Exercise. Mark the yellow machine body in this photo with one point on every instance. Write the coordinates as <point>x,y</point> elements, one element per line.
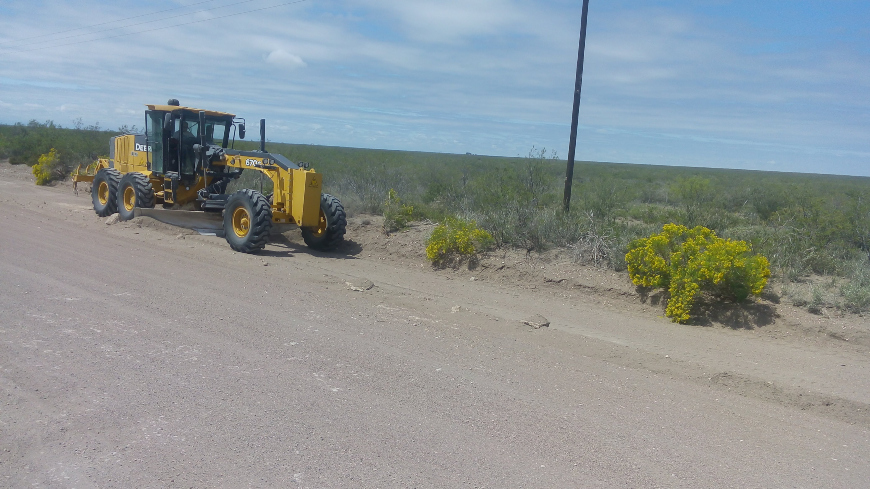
<point>296,197</point>
<point>296,192</point>
<point>129,157</point>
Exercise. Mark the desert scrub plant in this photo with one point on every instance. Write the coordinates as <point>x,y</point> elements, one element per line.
<point>24,143</point>
<point>365,183</point>
<point>695,195</point>
<point>689,261</point>
<point>534,176</point>
<point>49,168</point>
<point>397,214</point>
<point>856,293</point>
<point>602,198</point>
<point>456,238</point>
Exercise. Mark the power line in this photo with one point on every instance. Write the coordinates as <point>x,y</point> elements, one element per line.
<point>130,25</point>
<point>162,28</point>
<point>104,23</point>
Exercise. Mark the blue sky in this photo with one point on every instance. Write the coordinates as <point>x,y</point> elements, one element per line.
<point>774,85</point>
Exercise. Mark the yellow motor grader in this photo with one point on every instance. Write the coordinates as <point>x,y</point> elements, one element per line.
<point>183,159</point>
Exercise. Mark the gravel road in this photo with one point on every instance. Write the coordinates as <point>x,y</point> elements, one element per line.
<point>139,355</point>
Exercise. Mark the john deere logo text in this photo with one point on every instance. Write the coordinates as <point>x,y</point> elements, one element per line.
<point>142,147</point>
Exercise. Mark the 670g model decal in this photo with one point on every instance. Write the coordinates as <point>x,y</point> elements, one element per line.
<point>257,163</point>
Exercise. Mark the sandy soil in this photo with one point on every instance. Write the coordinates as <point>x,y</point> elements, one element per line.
<point>793,383</point>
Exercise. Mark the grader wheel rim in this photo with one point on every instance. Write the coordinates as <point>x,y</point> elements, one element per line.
<point>103,193</point>
<point>241,222</point>
<point>129,198</point>
<point>321,225</point>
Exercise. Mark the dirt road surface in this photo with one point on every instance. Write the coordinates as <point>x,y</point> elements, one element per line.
<point>141,355</point>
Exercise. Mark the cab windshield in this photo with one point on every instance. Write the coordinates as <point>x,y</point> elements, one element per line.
<point>215,131</point>
<point>187,129</point>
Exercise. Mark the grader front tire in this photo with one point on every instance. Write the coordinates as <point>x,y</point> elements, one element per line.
<point>333,224</point>
<point>247,221</point>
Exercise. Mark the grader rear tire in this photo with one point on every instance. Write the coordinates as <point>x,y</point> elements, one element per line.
<point>247,221</point>
<point>135,190</point>
<point>104,191</point>
<point>333,224</point>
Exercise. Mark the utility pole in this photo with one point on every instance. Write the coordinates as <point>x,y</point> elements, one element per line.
<point>569,173</point>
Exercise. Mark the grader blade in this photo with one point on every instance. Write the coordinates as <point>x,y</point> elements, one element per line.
<point>206,223</point>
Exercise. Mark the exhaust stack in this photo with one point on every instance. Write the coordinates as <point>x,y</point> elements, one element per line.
<point>262,135</point>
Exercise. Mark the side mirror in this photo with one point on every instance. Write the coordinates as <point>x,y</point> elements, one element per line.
<point>242,130</point>
<point>167,122</point>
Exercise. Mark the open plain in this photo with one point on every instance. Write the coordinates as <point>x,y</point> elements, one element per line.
<point>141,355</point>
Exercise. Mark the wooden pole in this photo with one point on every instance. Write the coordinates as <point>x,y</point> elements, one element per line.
<point>569,173</point>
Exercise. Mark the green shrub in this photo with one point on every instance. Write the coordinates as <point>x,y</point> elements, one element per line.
<point>363,184</point>
<point>693,192</point>
<point>601,198</point>
<point>23,144</point>
<point>534,177</point>
<point>397,214</point>
<point>456,237</point>
<point>689,261</point>
<point>856,293</point>
<point>654,213</point>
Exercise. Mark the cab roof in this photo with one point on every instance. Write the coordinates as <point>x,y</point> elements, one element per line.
<point>173,108</point>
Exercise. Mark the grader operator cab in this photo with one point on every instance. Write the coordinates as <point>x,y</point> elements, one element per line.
<point>185,159</point>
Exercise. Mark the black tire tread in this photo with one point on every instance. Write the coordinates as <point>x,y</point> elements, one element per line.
<point>261,221</point>
<point>113,178</point>
<point>336,225</point>
<point>146,199</point>
<point>144,192</point>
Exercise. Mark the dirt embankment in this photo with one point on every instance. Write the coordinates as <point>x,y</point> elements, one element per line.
<point>558,272</point>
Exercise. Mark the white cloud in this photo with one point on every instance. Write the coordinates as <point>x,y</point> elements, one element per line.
<point>451,20</point>
<point>285,59</point>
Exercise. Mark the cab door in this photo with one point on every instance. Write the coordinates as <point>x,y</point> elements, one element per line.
<point>186,131</point>
<point>155,139</point>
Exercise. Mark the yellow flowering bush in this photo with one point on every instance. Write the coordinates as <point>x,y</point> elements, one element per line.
<point>688,261</point>
<point>457,237</point>
<point>48,168</point>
